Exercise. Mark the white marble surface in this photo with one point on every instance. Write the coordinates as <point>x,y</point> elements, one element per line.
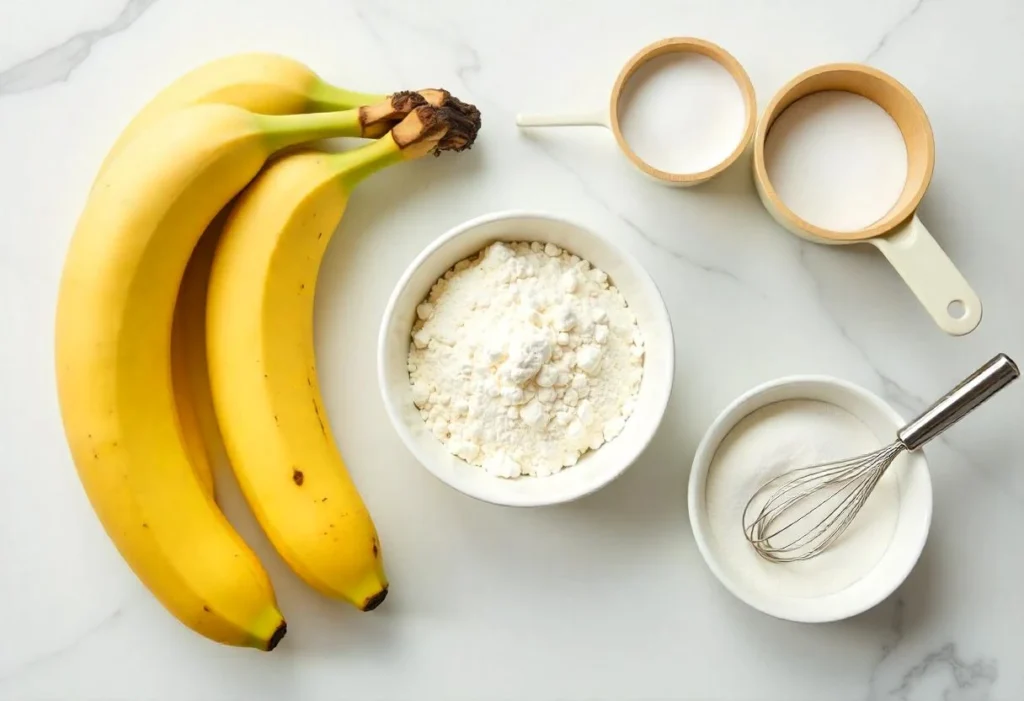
<point>606,598</point>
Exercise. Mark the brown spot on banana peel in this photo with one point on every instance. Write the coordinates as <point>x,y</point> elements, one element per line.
<point>297,477</point>
<point>316,408</point>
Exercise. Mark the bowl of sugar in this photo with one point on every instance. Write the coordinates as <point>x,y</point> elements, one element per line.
<point>791,423</point>
<point>525,360</point>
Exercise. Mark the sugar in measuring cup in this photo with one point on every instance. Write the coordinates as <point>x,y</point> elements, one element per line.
<point>895,230</point>
<point>647,109</point>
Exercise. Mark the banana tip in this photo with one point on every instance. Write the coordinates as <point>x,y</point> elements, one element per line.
<point>277,636</point>
<point>375,600</point>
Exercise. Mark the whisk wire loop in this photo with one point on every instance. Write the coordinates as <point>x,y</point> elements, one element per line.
<point>840,488</point>
<point>815,504</point>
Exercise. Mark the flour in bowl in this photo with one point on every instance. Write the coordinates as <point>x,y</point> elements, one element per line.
<point>524,357</point>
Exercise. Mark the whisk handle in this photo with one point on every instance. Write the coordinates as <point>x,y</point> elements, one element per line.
<point>962,400</point>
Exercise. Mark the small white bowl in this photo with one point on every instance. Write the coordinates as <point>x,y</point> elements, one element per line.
<point>910,532</point>
<point>595,468</point>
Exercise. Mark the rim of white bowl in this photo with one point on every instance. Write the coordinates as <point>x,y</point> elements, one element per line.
<point>411,445</point>
<point>708,446</point>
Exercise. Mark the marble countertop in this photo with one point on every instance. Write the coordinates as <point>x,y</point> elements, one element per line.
<point>606,598</point>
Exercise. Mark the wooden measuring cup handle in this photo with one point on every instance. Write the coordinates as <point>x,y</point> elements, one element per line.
<point>932,277</point>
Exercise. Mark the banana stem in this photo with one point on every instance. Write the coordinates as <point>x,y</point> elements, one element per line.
<point>425,130</point>
<point>358,164</point>
<point>324,97</point>
<point>291,129</point>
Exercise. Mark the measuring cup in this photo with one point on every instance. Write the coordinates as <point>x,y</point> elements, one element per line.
<point>610,118</point>
<point>899,234</point>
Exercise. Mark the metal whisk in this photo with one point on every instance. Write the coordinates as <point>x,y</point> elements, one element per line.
<point>807,509</point>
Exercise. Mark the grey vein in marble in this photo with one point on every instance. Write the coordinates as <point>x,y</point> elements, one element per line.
<point>891,389</point>
<point>710,269</point>
<point>470,67</point>
<point>888,383</point>
<point>895,637</point>
<point>57,63</point>
<point>378,38</point>
<point>884,40</point>
<point>898,394</point>
<point>971,681</point>
<point>705,267</point>
<point>64,649</point>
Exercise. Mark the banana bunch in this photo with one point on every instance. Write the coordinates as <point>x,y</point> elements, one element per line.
<point>185,313</point>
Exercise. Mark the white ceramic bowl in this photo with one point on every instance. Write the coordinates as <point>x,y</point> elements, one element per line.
<point>595,468</point>
<point>909,535</point>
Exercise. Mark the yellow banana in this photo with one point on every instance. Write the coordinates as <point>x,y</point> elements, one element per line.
<point>189,378</point>
<point>113,361</point>
<point>265,83</point>
<point>261,358</point>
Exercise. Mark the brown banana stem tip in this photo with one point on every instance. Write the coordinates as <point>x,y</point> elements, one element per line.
<point>463,126</point>
<point>463,119</point>
<point>377,119</point>
<point>434,129</point>
<point>404,101</point>
<point>439,97</point>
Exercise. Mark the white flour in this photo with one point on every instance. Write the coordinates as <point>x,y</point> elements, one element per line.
<point>780,437</point>
<point>523,358</point>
